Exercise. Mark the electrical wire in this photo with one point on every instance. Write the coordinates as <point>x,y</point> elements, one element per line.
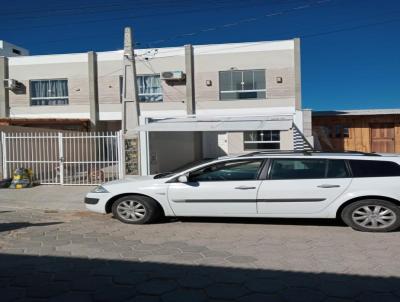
<point>151,15</point>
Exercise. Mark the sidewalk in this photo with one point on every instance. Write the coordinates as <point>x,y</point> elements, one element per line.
<point>54,197</point>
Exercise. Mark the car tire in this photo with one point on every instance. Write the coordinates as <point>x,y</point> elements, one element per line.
<point>372,215</point>
<point>136,209</point>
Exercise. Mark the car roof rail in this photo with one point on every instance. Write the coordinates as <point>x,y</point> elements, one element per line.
<point>307,152</point>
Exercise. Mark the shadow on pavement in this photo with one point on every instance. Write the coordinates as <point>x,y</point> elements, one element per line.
<point>6,227</point>
<point>26,277</point>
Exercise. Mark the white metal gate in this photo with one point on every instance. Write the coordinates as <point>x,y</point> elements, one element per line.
<point>67,158</point>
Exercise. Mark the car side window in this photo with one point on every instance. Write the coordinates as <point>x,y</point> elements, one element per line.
<point>374,168</point>
<point>337,169</point>
<point>298,168</point>
<point>229,170</point>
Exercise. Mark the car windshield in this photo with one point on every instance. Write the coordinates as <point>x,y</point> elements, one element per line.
<point>183,168</point>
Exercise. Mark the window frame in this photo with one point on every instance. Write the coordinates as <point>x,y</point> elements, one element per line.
<point>270,163</point>
<point>243,90</point>
<point>261,142</point>
<point>258,177</point>
<point>121,88</point>
<point>48,98</point>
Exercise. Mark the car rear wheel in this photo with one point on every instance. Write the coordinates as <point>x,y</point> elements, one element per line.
<point>372,215</point>
<point>136,209</point>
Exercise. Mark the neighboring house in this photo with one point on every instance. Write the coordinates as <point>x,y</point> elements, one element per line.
<point>248,98</point>
<point>357,130</point>
<point>11,50</point>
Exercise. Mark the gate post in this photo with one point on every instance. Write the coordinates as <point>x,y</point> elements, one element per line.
<point>61,156</point>
<point>4,154</point>
<point>121,155</point>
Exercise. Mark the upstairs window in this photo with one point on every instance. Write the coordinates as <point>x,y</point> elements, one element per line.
<point>262,140</point>
<point>149,88</point>
<point>242,84</point>
<point>49,92</point>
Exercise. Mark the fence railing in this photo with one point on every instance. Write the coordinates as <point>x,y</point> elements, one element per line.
<point>69,158</point>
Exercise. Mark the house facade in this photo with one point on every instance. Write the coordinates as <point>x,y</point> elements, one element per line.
<point>248,98</point>
<point>357,130</point>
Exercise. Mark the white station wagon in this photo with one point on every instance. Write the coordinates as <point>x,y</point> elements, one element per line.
<point>362,189</point>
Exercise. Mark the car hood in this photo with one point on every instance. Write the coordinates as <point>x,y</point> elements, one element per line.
<point>129,179</point>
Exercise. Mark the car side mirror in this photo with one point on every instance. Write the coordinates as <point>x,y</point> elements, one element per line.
<point>183,179</point>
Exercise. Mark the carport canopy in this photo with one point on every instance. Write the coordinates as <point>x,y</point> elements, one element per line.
<point>224,123</point>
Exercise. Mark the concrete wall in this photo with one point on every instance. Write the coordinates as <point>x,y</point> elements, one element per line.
<point>277,58</point>
<point>170,150</point>
<point>74,68</point>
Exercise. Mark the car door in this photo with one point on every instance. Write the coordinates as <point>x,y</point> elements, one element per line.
<point>227,188</point>
<point>301,185</point>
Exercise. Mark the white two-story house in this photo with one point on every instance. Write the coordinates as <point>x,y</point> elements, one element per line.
<point>247,96</point>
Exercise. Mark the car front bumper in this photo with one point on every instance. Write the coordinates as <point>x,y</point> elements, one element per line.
<point>96,202</point>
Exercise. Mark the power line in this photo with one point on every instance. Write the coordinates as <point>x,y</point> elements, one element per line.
<point>103,9</point>
<point>316,4</point>
<point>134,16</point>
<point>301,5</point>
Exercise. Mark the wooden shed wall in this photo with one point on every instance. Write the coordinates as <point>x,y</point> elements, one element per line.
<point>359,131</point>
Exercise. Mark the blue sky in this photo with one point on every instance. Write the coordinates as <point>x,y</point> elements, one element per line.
<point>350,48</point>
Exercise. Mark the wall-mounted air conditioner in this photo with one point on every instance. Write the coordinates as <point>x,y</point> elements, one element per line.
<point>172,75</point>
<point>10,84</point>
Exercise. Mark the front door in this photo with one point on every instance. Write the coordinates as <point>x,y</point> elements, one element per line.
<point>382,138</point>
<point>227,188</point>
<point>301,186</point>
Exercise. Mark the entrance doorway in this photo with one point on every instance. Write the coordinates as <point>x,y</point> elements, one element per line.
<point>382,138</point>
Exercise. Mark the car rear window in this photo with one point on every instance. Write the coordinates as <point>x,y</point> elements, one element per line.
<point>337,169</point>
<point>374,168</point>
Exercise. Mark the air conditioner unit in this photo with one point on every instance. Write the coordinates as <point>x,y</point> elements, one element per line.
<point>10,84</point>
<point>172,75</point>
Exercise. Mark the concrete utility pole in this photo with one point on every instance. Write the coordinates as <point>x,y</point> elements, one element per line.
<point>190,88</point>
<point>130,108</point>
<point>93,90</point>
<point>4,92</point>
<point>191,99</point>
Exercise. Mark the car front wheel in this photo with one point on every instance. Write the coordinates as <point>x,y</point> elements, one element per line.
<point>372,215</point>
<point>136,209</point>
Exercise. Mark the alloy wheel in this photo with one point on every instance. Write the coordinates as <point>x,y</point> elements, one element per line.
<point>374,216</point>
<point>131,210</point>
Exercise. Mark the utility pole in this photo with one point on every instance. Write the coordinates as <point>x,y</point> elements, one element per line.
<point>191,99</point>
<point>4,94</point>
<point>130,108</point>
<point>190,88</point>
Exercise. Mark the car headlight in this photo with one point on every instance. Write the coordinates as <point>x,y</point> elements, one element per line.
<point>99,189</point>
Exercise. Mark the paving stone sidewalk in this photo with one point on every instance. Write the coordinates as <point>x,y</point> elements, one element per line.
<point>80,256</point>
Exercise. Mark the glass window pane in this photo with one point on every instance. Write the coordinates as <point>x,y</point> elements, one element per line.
<point>261,146</point>
<point>225,80</point>
<point>337,169</point>
<point>237,80</point>
<point>248,80</point>
<point>229,96</point>
<point>374,168</point>
<point>228,171</point>
<point>298,169</point>
<point>49,92</point>
<point>149,88</point>
<point>248,95</point>
<point>259,79</point>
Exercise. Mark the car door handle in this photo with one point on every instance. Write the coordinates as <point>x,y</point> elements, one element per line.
<point>245,188</point>
<point>327,186</point>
